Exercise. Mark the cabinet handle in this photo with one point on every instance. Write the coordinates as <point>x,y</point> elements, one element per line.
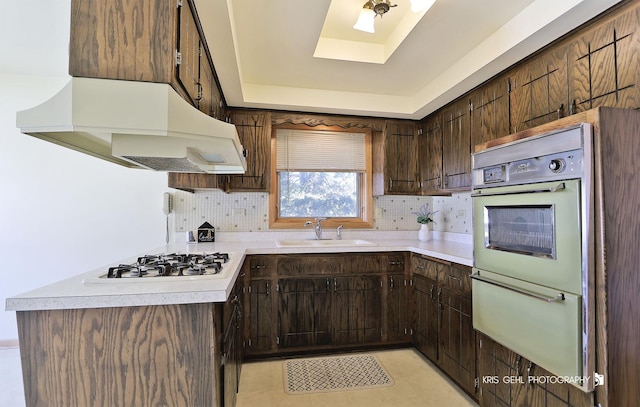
<point>390,184</point>
<point>529,370</point>
<point>328,285</point>
<point>431,291</point>
<point>259,266</point>
<point>391,280</point>
<point>268,288</point>
<point>335,284</point>
<point>450,277</point>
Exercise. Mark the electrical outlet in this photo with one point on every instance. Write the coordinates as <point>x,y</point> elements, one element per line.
<point>239,211</point>
<point>461,213</point>
<point>377,213</point>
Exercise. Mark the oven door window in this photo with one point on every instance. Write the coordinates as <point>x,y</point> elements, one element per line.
<point>523,229</point>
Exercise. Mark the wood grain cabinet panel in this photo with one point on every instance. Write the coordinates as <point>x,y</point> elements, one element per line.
<point>506,379</point>
<point>128,356</point>
<point>304,312</point>
<point>356,310</point>
<point>146,40</point>
<point>425,316</point>
<point>604,64</point>
<point>254,132</point>
<point>490,111</point>
<point>190,50</point>
<point>456,146</point>
<point>430,155</point>
<point>538,91</point>
<point>396,171</point>
<point>131,41</point>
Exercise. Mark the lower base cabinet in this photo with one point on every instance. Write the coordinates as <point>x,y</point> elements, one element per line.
<point>442,324</point>
<point>506,379</point>
<point>301,303</point>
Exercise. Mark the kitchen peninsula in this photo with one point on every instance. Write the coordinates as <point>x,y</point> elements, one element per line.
<point>156,343</point>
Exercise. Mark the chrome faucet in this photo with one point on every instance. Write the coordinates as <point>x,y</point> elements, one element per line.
<point>339,232</point>
<point>317,228</point>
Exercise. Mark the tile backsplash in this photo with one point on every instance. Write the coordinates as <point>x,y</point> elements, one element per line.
<point>249,212</point>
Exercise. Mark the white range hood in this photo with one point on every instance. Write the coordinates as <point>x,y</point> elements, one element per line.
<point>135,124</point>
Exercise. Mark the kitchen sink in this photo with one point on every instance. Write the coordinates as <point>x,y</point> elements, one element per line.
<point>323,243</point>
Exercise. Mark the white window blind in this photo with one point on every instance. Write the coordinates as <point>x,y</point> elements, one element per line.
<point>310,150</point>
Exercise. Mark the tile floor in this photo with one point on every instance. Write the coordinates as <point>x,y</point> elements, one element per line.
<point>417,383</point>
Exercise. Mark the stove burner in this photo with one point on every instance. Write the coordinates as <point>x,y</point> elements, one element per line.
<point>171,265</point>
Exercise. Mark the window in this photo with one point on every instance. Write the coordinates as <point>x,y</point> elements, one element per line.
<point>321,173</point>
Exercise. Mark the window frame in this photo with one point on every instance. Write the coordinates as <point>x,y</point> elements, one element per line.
<point>365,221</point>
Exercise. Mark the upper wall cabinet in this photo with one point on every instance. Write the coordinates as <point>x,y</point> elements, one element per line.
<point>456,146</point>
<point>490,112</point>
<point>254,131</point>
<point>396,159</point>
<point>604,69</point>
<point>538,91</point>
<point>430,155</point>
<point>144,40</point>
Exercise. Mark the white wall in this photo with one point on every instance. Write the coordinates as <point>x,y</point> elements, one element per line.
<point>61,212</point>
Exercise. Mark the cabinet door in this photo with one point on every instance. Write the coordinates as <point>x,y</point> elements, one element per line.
<point>603,64</point>
<point>456,146</point>
<point>356,306</point>
<point>254,131</point>
<point>396,306</point>
<point>457,338</point>
<point>430,154</point>
<point>538,91</point>
<point>401,164</point>
<point>425,310</point>
<point>188,72</point>
<point>304,312</point>
<point>262,316</point>
<point>490,112</point>
<point>123,40</point>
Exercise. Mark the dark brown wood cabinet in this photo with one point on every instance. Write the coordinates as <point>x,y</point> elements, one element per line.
<point>443,326</point>
<point>304,312</point>
<point>430,155</point>
<point>456,336</point>
<point>456,146</point>
<point>146,40</point>
<point>254,131</point>
<point>489,111</point>
<point>538,91</point>
<point>506,379</point>
<point>357,310</point>
<point>397,170</point>
<point>424,275</point>
<point>395,297</point>
<point>308,302</point>
<point>260,305</point>
<point>116,356</point>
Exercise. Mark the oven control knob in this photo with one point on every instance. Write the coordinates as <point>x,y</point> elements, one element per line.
<point>557,165</point>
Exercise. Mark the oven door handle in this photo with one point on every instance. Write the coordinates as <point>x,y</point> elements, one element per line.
<point>561,186</point>
<point>557,298</point>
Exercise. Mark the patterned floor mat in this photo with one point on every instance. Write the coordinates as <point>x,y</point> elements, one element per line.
<point>336,373</point>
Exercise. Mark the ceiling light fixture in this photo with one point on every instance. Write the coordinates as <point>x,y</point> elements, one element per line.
<point>370,10</point>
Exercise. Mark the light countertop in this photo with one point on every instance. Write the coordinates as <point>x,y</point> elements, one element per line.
<point>75,293</point>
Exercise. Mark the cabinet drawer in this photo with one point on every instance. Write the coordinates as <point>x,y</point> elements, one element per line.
<point>426,267</point>
<point>262,266</point>
<point>456,277</point>
<point>311,265</point>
